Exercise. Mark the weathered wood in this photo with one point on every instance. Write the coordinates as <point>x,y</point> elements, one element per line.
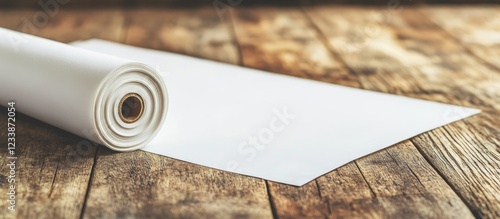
<point>67,25</point>
<point>476,27</point>
<point>392,183</point>
<point>366,40</point>
<point>52,170</point>
<point>49,5</point>
<point>469,161</point>
<point>402,178</point>
<point>194,3</point>
<point>202,34</point>
<point>84,24</point>
<point>146,185</point>
<point>298,202</point>
<point>281,40</point>
<point>445,72</point>
<point>53,166</point>
<point>445,58</point>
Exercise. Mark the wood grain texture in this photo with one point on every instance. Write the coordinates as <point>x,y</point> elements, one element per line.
<point>476,27</point>
<point>67,25</point>
<point>145,185</point>
<point>53,166</point>
<point>52,170</point>
<point>367,40</point>
<point>386,182</point>
<point>469,161</point>
<point>392,183</point>
<point>203,34</point>
<point>445,54</point>
<point>184,3</point>
<point>281,40</point>
<point>446,72</point>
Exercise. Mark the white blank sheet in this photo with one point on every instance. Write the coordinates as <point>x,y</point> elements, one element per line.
<point>272,126</point>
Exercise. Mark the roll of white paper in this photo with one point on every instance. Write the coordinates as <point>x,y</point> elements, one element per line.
<point>112,101</point>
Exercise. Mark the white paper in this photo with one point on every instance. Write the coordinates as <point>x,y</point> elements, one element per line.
<point>272,126</point>
<point>79,90</point>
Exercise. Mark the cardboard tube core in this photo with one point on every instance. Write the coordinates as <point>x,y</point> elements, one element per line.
<point>131,108</point>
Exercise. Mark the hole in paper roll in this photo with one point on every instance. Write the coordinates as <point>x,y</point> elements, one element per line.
<point>131,108</point>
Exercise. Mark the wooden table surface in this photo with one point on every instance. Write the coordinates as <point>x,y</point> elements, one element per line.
<point>449,54</point>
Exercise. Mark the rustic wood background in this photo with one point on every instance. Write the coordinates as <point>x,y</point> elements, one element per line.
<point>448,54</point>
<point>169,3</point>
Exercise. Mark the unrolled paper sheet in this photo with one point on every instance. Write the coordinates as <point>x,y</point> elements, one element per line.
<point>246,121</point>
<point>272,126</point>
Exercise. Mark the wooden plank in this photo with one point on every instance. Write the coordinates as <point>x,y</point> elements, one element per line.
<point>177,3</point>
<point>469,160</point>
<point>192,35</point>
<point>280,40</point>
<point>49,4</point>
<point>146,185</point>
<point>53,166</point>
<point>462,153</point>
<point>67,25</point>
<point>381,185</point>
<point>392,183</point>
<point>52,170</point>
<point>368,43</point>
<point>298,202</point>
<point>476,27</point>
<point>84,24</point>
<point>409,180</point>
